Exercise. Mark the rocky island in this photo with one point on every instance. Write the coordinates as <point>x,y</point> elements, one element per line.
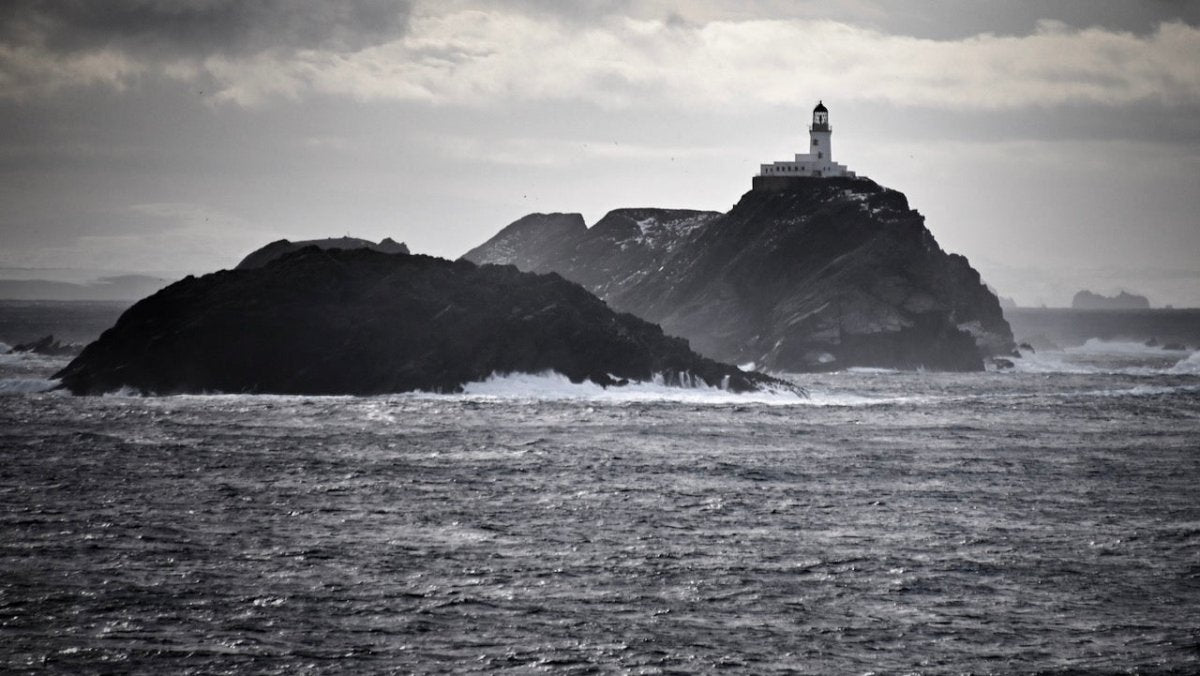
<point>814,269</point>
<point>1086,300</point>
<point>358,321</point>
<point>803,274</point>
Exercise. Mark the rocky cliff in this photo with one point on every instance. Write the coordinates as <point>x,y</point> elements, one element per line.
<point>361,322</point>
<point>814,274</point>
<point>268,253</point>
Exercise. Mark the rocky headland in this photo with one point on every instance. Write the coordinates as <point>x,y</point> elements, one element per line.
<point>357,321</point>
<point>47,346</point>
<point>802,274</point>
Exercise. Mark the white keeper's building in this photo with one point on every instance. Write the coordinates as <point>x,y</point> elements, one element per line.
<point>818,161</point>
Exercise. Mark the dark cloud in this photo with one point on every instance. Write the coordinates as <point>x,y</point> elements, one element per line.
<point>200,27</point>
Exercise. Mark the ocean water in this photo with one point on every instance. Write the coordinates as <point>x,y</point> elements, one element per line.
<point>1045,520</point>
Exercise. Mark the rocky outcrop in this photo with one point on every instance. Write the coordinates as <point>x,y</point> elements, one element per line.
<point>47,346</point>
<point>260,257</point>
<point>814,274</point>
<point>1086,300</point>
<point>361,322</point>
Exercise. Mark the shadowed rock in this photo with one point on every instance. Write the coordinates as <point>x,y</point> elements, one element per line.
<point>361,322</point>
<point>260,257</point>
<point>48,346</point>
<point>812,274</point>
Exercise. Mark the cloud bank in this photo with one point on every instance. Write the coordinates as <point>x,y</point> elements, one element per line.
<point>249,54</point>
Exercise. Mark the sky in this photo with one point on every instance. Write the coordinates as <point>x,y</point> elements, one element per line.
<point>1055,144</point>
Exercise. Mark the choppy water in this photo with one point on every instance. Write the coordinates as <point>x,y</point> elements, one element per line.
<point>1040,521</point>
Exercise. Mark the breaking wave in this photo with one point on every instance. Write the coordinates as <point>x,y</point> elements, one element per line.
<point>31,359</point>
<point>26,385</point>
<point>1110,357</point>
<point>1189,365</point>
<point>1096,346</point>
<point>553,385</point>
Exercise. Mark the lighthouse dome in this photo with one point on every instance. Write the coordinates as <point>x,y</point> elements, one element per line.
<point>820,108</point>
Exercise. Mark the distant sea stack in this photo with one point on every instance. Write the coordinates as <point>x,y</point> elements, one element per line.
<point>356,321</point>
<point>1086,300</point>
<point>260,257</point>
<point>813,269</point>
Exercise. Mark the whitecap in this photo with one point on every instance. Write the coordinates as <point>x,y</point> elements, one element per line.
<point>555,386</point>
<point>1189,365</point>
<point>124,391</point>
<point>871,370</point>
<point>818,397</point>
<point>1097,346</point>
<point>1097,357</point>
<point>26,385</point>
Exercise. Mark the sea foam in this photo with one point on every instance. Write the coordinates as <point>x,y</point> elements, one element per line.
<point>1189,365</point>
<point>553,385</point>
<point>1112,357</point>
<point>26,385</point>
<point>1096,346</point>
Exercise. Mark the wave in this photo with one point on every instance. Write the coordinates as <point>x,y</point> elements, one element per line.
<point>1099,357</point>
<point>32,359</point>
<point>1146,391</point>
<point>1096,346</point>
<point>553,385</point>
<point>1189,365</point>
<point>26,385</point>
<point>872,370</point>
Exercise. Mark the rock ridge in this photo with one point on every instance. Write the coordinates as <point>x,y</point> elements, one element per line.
<point>272,251</point>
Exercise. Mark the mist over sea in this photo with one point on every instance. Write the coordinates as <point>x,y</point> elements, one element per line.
<point>1039,520</point>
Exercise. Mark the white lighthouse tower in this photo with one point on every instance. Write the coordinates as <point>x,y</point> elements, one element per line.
<point>818,161</point>
<point>820,134</point>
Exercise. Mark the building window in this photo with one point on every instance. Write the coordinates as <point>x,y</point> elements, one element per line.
<point>816,142</point>
<point>820,155</point>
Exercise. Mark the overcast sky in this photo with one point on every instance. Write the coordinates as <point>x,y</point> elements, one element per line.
<point>1055,144</point>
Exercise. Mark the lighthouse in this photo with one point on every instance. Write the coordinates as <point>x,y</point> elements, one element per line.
<point>817,162</point>
<point>819,134</point>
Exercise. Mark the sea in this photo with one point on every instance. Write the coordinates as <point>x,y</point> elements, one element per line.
<point>1044,519</point>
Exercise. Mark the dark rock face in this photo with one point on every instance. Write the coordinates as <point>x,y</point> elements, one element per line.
<point>817,274</point>
<point>48,346</point>
<point>1086,300</point>
<point>361,322</point>
<point>260,257</point>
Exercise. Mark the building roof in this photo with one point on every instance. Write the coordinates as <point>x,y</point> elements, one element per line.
<point>820,108</point>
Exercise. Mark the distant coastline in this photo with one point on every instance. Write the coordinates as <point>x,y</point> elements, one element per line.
<point>1069,326</point>
<point>127,288</point>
